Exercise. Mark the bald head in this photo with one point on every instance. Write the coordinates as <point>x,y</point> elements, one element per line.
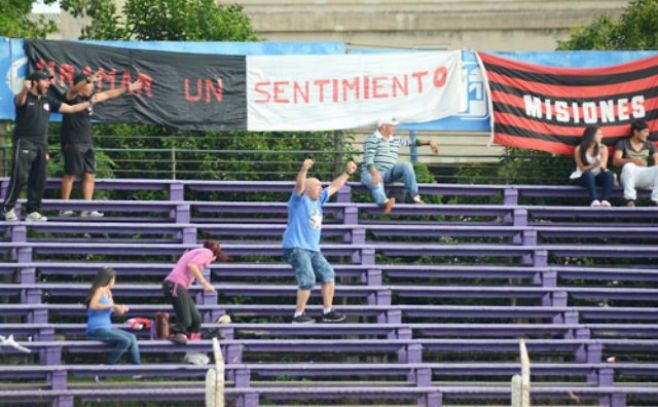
<point>313,188</point>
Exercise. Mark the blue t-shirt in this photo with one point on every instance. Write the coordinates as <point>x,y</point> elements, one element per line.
<point>304,222</point>
<point>99,319</point>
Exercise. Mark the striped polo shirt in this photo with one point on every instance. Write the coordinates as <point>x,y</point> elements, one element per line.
<point>382,153</point>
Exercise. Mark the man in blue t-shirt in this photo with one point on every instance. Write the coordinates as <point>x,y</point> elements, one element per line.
<point>301,241</point>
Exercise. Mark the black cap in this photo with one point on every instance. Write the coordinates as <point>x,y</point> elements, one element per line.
<point>79,78</point>
<point>37,75</point>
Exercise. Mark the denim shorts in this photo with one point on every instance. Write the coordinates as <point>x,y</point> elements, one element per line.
<point>308,267</point>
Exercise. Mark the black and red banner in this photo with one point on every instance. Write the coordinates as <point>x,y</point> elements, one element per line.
<point>547,108</point>
<point>181,90</point>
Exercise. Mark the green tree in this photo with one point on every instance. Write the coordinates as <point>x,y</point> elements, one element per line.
<point>636,28</point>
<point>15,20</point>
<point>170,20</point>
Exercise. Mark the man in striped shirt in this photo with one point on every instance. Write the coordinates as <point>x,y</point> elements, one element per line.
<point>381,164</point>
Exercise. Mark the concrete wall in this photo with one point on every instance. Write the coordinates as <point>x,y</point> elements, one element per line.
<point>440,24</point>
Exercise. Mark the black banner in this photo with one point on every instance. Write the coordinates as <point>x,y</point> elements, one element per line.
<point>181,90</point>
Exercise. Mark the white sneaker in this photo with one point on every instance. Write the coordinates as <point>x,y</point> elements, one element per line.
<point>67,213</point>
<point>91,214</point>
<point>606,204</point>
<point>10,216</point>
<point>417,200</point>
<point>35,217</point>
<point>595,203</point>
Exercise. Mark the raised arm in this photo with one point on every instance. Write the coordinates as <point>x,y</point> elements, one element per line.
<point>340,181</point>
<point>70,109</point>
<point>300,181</point>
<point>21,98</point>
<point>114,93</point>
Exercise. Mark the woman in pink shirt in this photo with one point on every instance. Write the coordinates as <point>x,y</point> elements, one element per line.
<point>177,284</point>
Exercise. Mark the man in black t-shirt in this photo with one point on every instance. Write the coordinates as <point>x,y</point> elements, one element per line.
<point>637,157</point>
<point>77,146</point>
<point>30,149</point>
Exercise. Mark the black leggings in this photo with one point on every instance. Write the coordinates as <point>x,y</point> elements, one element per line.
<point>188,319</point>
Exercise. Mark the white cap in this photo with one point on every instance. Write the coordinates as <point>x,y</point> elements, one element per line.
<point>387,121</point>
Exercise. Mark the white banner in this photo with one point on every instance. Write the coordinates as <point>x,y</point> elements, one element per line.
<point>328,92</point>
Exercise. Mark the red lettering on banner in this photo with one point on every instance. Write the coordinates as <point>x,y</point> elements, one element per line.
<point>66,73</point>
<point>126,80</point>
<point>334,90</point>
<point>351,86</point>
<point>440,76</point>
<point>263,92</point>
<point>321,84</point>
<point>299,93</point>
<point>279,90</point>
<point>147,81</point>
<point>377,86</point>
<point>196,97</point>
<point>210,89</point>
<point>404,87</point>
<point>419,79</point>
<point>345,90</point>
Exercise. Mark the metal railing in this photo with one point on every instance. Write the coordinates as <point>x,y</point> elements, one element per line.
<point>185,163</point>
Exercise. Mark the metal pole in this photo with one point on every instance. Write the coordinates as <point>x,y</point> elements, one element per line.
<point>413,149</point>
<point>173,162</point>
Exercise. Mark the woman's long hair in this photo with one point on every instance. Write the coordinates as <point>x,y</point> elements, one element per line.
<point>103,278</point>
<point>586,141</point>
<point>216,250</point>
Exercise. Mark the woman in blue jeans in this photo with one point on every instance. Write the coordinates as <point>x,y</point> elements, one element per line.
<point>592,167</point>
<point>100,307</point>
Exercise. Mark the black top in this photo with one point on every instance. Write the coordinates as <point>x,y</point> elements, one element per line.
<point>76,128</point>
<point>645,154</point>
<point>32,118</point>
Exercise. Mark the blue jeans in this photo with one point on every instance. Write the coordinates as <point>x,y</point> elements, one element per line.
<point>589,181</point>
<point>121,340</point>
<point>309,266</point>
<point>403,171</point>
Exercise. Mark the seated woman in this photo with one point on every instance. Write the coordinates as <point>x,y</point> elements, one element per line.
<point>100,307</point>
<point>592,160</point>
<point>177,284</point>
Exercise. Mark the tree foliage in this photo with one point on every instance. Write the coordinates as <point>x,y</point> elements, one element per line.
<point>15,20</point>
<point>160,20</point>
<point>636,28</point>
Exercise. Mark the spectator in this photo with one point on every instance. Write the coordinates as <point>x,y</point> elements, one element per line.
<point>634,156</point>
<point>77,145</point>
<point>100,307</point>
<point>592,166</point>
<point>30,150</point>
<point>381,164</point>
<point>176,287</point>
<point>301,241</point>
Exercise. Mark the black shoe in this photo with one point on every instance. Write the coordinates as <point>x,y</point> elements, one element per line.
<point>303,319</point>
<point>333,316</point>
